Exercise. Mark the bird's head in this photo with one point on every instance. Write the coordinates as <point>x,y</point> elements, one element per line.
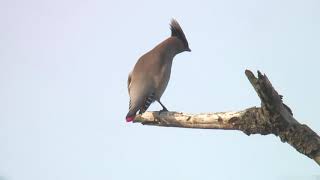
<point>177,32</point>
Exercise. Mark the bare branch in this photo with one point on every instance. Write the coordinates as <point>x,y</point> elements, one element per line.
<point>273,117</point>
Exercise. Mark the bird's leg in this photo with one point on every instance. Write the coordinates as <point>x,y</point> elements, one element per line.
<point>164,109</point>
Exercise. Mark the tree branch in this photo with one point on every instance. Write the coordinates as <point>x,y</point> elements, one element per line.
<point>273,117</point>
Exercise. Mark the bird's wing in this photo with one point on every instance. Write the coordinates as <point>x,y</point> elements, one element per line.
<point>139,92</point>
<point>129,82</point>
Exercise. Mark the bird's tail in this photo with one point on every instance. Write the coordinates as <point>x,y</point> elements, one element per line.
<point>130,116</point>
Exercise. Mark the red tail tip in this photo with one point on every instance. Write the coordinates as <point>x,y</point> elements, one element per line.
<point>130,119</point>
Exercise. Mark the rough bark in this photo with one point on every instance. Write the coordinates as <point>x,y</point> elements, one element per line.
<point>273,117</point>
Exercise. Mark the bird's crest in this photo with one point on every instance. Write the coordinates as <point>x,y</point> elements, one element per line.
<point>176,31</point>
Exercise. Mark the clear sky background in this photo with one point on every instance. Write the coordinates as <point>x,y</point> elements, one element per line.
<point>63,92</point>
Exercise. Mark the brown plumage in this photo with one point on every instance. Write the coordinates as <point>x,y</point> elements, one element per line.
<point>176,31</point>
<point>150,76</point>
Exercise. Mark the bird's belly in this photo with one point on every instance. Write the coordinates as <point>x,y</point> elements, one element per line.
<point>162,83</point>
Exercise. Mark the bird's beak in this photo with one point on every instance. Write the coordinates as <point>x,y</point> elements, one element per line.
<point>189,50</point>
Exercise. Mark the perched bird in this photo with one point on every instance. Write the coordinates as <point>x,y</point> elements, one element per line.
<point>150,76</point>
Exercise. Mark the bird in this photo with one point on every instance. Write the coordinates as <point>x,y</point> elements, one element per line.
<point>151,73</point>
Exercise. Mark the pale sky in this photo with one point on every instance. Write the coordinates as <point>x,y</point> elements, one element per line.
<point>63,92</point>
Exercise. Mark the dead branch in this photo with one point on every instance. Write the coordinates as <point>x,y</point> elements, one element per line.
<point>273,117</point>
